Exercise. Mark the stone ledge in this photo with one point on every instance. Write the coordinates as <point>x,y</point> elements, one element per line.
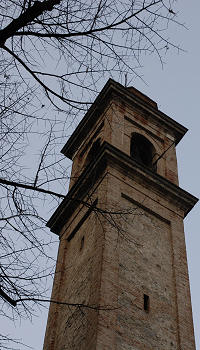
<point>108,155</point>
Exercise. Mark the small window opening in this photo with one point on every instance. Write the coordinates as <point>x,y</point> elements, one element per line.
<point>146,303</point>
<point>142,150</point>
<point>93,151</point>
<point>82,243</point>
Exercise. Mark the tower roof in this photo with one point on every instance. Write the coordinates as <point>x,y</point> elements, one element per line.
<point>130,95</point>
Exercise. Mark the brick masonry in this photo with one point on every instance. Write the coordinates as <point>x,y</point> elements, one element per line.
<point>132,246</point>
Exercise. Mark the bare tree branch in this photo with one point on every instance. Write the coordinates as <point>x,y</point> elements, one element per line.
<point>55,58</point>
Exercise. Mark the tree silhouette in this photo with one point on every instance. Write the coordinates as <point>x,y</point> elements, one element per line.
<point>55,57</point>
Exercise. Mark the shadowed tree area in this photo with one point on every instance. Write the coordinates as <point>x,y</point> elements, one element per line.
<point>55,57</point>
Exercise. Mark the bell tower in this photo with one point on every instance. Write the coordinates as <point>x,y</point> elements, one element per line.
<point>122,259</point>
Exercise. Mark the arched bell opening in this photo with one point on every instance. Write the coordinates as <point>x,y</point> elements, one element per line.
<point>143,151</point>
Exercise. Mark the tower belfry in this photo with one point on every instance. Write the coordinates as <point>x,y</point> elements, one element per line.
<point>122,248</point>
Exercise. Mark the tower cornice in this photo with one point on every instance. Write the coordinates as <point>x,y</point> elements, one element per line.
<point>111,91</point>
<point>110,155</point>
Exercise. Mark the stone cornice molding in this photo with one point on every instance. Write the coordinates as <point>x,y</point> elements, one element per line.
<point>110,155</point>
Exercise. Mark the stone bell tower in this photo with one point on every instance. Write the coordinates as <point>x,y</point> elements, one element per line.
<point>122,248</point>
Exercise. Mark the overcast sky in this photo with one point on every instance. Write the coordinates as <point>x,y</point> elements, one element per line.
<point>176,90</point>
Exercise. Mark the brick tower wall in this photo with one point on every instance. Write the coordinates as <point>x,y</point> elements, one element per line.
<point>129,256</point>
<point>144,256</point>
